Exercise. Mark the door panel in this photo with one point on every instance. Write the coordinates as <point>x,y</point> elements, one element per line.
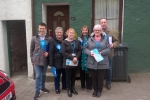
<point>57,16</point>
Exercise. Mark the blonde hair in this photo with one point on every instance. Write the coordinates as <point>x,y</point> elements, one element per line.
<point>70,29</point>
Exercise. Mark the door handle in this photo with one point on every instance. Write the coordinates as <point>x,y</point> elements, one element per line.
<point>49,31</point>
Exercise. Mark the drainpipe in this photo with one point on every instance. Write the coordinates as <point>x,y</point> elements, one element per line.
<point>32,17</point>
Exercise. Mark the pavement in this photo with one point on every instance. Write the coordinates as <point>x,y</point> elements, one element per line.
<point>138,89</point>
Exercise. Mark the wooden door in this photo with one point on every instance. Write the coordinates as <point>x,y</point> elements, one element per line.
<point>57,16</point>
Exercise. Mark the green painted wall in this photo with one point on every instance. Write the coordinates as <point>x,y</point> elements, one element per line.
<point>81,9</point>
<point>137,34</point>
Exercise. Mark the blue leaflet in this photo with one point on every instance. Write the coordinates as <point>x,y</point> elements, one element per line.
<point>98,57</point>
<point>53,70</point>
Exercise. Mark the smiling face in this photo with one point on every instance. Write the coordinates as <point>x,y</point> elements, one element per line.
<point>103,23</point>
<point>84,31</point>
<point>97,30</point>
<point>71,33</point>
<point>59,34</point>
<point>41,29</point>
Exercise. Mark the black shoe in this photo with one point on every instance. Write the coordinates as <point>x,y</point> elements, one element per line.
<point>108,86</point>
<point>45,90</point>
<point>98,94</point>
<point>74,91</point>
<point>57,91</point>
<point>94,94</point>
<point>69,93</point>
<point>37,95</point>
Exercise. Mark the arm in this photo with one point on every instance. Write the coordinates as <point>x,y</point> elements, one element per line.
<point>79,51</point>
<point>106,51</point>
<point>32,47</point>
<point>64,51</point>
<point>115,40</point>
<point>86,50</point>
<point>51,52</point>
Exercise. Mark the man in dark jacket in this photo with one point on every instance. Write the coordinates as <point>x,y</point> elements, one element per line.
<point>56,59</point>
<point>39,58</point>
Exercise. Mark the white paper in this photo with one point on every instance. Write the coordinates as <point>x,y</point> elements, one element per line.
<point>71,63</point>
<point>110,40</point>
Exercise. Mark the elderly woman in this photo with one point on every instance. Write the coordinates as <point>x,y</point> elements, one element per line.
<point>71,51</point>
<point>56,59</point>
<point>97,69</point>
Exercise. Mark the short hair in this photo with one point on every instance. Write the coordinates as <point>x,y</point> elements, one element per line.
<point>58,28</point>
<point>69,30</point>
<point>97,26</point>
<point>103,18</point>
<point>42,24</point>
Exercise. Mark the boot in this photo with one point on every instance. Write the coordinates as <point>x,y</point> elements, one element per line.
<point>69,93</point>
<point>74,91</point>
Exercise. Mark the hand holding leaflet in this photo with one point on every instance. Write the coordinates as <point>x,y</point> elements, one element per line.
<point>98,57</point>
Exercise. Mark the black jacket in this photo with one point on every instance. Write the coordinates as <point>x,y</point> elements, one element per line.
<point>67,52</point>
<point>55,54</point>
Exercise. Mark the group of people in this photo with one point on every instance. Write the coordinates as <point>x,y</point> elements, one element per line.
<point>68,54</point>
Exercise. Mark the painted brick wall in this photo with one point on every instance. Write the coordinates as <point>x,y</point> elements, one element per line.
<point>81,9</point>
<point>15,10</point>
<point>137,34</point>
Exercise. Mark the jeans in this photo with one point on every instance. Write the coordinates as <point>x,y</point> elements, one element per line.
<point>57,79</point>
<point>109,71</point>
<point>40,72</point>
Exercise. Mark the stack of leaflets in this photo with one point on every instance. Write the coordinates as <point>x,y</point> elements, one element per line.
<point>71,63</point>
<point>98,57</point>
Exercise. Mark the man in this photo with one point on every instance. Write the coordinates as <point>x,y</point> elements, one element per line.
<point>114,44</point>
<point>39,58</point>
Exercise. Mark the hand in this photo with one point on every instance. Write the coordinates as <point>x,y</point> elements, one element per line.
<point>92,54</point>
<point>99,52</point>
<point>74,59</point>
<point>46,54</point>
<point>112,45</point>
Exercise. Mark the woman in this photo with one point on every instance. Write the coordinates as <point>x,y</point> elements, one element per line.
<point>84,72</point>
<point>97,69</point>
<point>71,51</point>
<point>56,59</point>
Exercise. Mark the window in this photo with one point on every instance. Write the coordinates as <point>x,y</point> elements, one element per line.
<point>109,9</point>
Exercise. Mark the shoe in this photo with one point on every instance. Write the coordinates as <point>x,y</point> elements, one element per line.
<point>57,91</point>
<point>65,88</point>
<point>98,94</point>
<point>94,94</point>
<point>37,95</point>
<point>74,91</point>
<point>45,90</point>
<point>69,93</point>
<point>108,86</point>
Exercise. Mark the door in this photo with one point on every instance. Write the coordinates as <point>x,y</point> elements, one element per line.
<point>57,16</point>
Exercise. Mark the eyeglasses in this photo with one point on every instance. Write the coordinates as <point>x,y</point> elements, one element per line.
<point>97,30</point>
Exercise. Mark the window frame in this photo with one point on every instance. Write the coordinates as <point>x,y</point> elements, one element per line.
<point>120,16</point>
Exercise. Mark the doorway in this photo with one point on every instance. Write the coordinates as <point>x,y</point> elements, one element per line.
<point>57,16</point>
<point>17,50</point>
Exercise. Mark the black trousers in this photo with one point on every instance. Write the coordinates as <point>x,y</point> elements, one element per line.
<point>86,81</point>
<point>71,77</point>
<point>97,79</point>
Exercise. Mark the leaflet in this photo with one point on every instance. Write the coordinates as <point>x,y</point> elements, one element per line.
<point>71,63</point>
<point>98,57</point>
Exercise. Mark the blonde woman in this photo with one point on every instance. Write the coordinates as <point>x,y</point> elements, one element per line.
<point>71,51</point>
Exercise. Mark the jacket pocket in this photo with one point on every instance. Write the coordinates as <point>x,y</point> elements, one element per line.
<point>90,60</point>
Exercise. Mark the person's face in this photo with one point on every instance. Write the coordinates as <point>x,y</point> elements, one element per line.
<point>71,34</point>
<point>84,31</point>
<point>103,23</point>
<point>97,32</point>
<point>41,29</point>
<point>59,34</point>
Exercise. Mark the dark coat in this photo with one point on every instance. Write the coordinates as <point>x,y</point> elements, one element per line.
<point>67,52</point>
<point>36,53</point>
<point>55,55</point>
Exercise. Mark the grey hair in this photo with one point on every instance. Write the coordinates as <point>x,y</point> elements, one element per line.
<point>58,28</point>
<point>97,26</point>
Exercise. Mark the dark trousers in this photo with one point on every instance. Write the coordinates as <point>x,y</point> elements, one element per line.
<point>57,79</point>
<point>86,81</point>
<point>70,77</point>
<point>97,79</point>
